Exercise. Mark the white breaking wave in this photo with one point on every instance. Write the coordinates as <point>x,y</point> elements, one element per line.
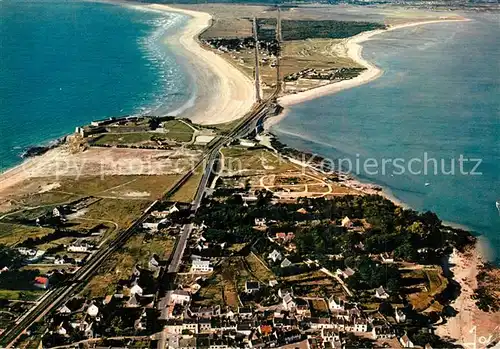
<point>170,77</point>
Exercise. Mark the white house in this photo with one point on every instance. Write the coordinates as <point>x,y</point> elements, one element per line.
<point>93,310</point>
<point>360,325</point>
<point>346,222</point>
<point>286,263</point>
<point>79,247</point>
<point>180,297</point>
<point>330,335</point>
<point>153,226</point>
<point>400,315</point>
<point>275,256</point>
<point>381,294</point>
<point>289,303</point>
<point>406,342</point>
<point>201,266</point>
<point>64,310</point>
<point>336,304</point>
<point>260,222</point>
<point>387,258</point>
<point>136,289</point>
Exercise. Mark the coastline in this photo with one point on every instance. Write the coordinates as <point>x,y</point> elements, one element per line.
<point>354,51</point>
<point>225,108</point>
<point>224,94</point>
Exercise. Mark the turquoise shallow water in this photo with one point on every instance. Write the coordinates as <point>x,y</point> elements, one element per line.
<point>439,95</point>
<point>65,63</point>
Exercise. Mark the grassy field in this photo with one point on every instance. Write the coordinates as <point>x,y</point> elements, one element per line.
<point>21,295</point>
<point>258,270</point>
<point>433,284</point>
<point>221,288</point>
<point>187,192</point>
<point>12,234</point>
<point>135,138</point>
<point>120,265</point>
<point>139,187</point>
<point>175,130</point>
<point>248,161</point>
<point>121,212</point>
<point>178,131</point>
<point>313,284</point>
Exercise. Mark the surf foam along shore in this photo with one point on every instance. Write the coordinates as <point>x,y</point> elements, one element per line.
<point>223,93</point>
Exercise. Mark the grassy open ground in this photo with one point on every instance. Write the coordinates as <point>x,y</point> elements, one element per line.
<point>21,295</point>
<point>313,284</point>
<point>12,234</point>
<point>187,192</point>
<point>228,280</point>
<point>142,187</point>
<point>120,265</point>
<point>175,130</point>
<point>248,161</point>
<point>433,283</point>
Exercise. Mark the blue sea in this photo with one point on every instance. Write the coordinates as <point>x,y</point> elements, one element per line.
<point>65,63</point>
<point>439,95</point>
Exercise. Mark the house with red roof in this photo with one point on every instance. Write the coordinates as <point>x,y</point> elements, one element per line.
<point>42,282</point>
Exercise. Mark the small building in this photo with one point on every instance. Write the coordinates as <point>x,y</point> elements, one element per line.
<point>347,272</point>
<point>273,283</point>
<point>399,315</point>
<point>247,143</point>
<point>92,310</point>
<point>136,289</point>
<point>381,294</point>
<point>286,263</point>
<point>346,222</point>
<point>386,258</point>
<point>260,222</point>
<point>41,282</point>
<point>64,310</point>
<point>201,266</point>
<point>245,312</point>
<point>180,297</point>
<point>336,304</point>
<point>406,342</point>
<point>360,325</point>
<point>383,332</point>
<point>289,303</point>
<point>252,286</point>
<point>275,256</point>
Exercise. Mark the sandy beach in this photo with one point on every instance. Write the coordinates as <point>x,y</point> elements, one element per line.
<point>354,51</point>
<point>223,94</point>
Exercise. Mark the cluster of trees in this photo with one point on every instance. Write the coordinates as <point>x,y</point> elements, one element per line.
<point>313,29</point>
<point>57,234</point>
<point>412,236</point>
<point>370,274</point>
<point>10,258</point>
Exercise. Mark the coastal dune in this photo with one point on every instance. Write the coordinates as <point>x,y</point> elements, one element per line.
<point>354,51</point>
<point>223,93</point>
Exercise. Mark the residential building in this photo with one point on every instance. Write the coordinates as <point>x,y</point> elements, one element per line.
<point>346,222</point>
<point>380,293</point>
<point>286,263</point>
<point>252,286</point>
<point>260,222</point>
<point>41,282</point>
<point>336,304</point>
<point>180,297</point>
<point>275,256</point>
<point>406,342</point>
<point>202,266</point>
